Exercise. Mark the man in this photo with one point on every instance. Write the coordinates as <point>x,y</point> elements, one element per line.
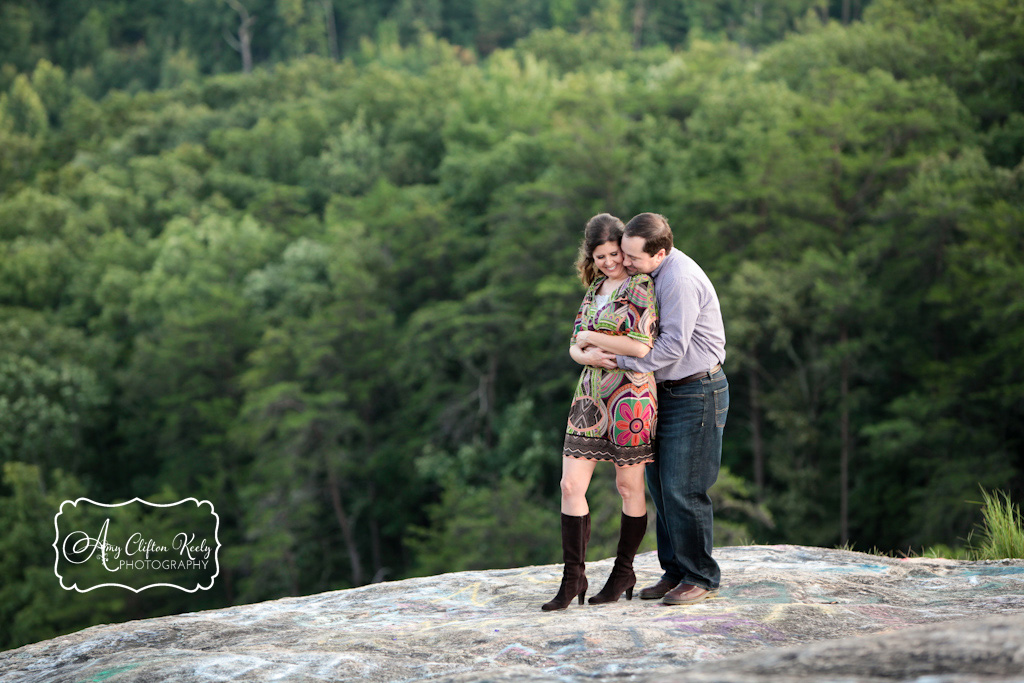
<point>693,402</point>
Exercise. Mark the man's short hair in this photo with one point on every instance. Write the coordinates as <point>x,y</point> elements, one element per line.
<point>655,230</point>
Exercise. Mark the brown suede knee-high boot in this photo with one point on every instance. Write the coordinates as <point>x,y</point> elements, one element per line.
<point>622,578</point>
<point>575,536</point>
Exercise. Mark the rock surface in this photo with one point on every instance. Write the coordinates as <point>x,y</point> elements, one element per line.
<point>784,613</point>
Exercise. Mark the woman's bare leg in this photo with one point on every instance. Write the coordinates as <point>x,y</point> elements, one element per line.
<point>576,474</point>
<point>630,483</point>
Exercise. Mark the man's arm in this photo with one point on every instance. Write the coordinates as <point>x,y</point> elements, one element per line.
<point>678,308</point>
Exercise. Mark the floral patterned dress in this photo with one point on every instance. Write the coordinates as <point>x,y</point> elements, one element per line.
<point>614,412</point>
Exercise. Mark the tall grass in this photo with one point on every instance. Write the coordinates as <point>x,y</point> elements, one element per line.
<point>1002,532</point>
<point>999,536</point>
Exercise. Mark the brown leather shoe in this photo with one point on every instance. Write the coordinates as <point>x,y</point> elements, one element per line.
<point>658,590</point>
<point>687,594</point>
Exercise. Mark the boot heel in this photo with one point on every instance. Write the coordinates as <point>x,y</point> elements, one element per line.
<point>629,593</point>
<point>582,595</point>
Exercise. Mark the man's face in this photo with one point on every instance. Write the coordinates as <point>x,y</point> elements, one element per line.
<point>636,260</point>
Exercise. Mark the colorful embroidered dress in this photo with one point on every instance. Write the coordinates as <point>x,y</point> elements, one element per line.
<point>614,412</point>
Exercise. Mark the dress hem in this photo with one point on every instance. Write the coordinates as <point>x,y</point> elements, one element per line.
<point>620,463</point>
<point>591,448</point>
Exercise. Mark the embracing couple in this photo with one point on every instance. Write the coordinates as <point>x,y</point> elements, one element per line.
<point>652,394</point>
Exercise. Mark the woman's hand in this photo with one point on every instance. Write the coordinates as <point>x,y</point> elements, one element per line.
<point>593,355</point>
<point>614,343</point>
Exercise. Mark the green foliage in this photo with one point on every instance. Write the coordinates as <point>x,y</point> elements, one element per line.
<point>146,44</point>
<point>484,527</point>
<point>333,295</point>
<point>52,392</point>
<point>999,536</point>
<point>33,605</point>
<point>739,517</point>
<point>1002,532</point>
<point>748,21</point>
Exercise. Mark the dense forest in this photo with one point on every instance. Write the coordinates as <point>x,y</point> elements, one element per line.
<point>311,260</point>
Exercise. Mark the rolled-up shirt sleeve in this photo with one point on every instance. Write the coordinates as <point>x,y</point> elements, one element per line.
<point>678,310</point>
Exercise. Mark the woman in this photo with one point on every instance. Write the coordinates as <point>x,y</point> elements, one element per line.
<point>613,411</point>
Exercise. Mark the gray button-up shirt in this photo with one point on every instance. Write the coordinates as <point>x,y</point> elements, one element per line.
<point>691,335</point>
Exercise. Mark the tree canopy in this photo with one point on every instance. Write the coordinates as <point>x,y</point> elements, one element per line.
<point>330,289</point>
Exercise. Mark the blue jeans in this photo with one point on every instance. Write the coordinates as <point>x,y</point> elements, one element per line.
<point>688,455</point>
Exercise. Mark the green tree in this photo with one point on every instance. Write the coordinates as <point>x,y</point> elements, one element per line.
<point>958,238</point>
<point>750,22</point>
<point>313,390</point>
<point>53,392</point>
<point>483,528</point>
<point>32,603</point>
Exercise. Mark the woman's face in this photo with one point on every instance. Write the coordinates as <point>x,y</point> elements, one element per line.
<point>608,258</point>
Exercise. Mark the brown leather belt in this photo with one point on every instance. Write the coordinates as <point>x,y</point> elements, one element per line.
<point>691,378</point>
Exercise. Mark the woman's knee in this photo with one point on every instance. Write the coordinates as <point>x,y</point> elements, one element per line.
<point>572,487</point>
<point>630,487</point>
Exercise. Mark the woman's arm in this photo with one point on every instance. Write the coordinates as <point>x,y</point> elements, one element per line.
<point>620,345</point>
<point>592,355</point>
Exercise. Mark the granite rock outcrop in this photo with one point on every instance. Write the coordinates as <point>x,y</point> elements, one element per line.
<point>784,613</point>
